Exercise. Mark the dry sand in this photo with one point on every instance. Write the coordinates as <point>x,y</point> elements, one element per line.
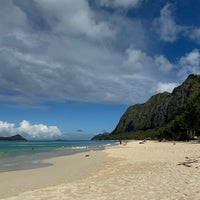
<point>134,171</point>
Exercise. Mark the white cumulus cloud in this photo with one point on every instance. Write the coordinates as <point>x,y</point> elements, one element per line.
<point>190,63</point>
<point>165,25</point>
<point>138,60</point>
<point>169,30</point>
<point>7,129</point>
<point>165,87</point>
<point>29,131</point>
<point>74,18</point>
<point>163,63</point>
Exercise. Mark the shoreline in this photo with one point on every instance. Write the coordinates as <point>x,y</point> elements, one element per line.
<point>55,171</point>
<point>150,170</point>
<point>34,160</point>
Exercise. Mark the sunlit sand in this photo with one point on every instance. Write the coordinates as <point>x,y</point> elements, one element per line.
<point>149,170</point>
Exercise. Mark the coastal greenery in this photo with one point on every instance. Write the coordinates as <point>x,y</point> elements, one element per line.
<point>174,116</point>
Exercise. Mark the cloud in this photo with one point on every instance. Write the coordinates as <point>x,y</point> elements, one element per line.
<point>150,74</point>
<point>138,60</point>
<point>165,87</point>
<point>194,34</point>
<point>74,18</point>
<point>163,63</point>
<point>72,52</point>
<point>190,63</point>
<point>79,130</point>
<point>58,51</point>
<point>120,4</point>
<point>7,129</point>
<point>169,30</point>
<point>165,25</point>
<point>30,131</point>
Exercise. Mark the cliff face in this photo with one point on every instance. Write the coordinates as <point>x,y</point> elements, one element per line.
<point>144,116</point>
<point>162,109</point>
<point>159,109</point>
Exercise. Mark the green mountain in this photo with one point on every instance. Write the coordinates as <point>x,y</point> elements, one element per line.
<point>173,116</point>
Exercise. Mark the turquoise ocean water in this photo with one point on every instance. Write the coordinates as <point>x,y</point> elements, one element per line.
<point>29,154</point>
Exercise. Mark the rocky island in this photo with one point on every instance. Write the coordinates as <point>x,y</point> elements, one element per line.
<point>13,138</point>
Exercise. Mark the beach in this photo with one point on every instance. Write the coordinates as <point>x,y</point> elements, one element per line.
<point>136,170</point>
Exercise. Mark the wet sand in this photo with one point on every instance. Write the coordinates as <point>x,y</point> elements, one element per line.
<point>151,170</point>
<point>58,170</point>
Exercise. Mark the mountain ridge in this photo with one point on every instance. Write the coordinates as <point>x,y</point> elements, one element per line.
<point>159,112</point>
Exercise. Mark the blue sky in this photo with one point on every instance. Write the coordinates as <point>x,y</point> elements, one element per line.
<point>70,68</point>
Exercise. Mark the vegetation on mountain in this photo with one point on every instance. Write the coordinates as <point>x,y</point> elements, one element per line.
<point>171,116</point>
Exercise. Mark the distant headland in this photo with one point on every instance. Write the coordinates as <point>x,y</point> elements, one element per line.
<point>13,138</point>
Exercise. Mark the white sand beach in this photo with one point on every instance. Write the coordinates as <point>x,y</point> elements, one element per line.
<point>151,170</point>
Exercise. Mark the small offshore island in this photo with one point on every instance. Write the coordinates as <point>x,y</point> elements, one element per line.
<point>13,138</point>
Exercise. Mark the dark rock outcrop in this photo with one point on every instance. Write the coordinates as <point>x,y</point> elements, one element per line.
<point>13,138</point>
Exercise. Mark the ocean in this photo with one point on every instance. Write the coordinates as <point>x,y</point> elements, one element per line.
<point>16,155</point>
